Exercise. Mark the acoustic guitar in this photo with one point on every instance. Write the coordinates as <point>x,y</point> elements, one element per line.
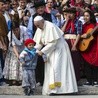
<point>85,42</point>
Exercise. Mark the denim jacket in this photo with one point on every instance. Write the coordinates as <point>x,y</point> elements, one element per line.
<point>28,60</point>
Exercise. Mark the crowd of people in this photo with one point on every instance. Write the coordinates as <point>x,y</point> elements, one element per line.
<point>53,43</point>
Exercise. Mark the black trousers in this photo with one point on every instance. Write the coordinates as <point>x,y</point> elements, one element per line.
<point>91,72</point>
<point>2,62</point>
<point>76,58</point>
<point>39,72</point>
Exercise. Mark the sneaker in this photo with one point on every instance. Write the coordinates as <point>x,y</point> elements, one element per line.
<point>38,84</point>
<point>52,94</point>
<point>3,84</point>
<point>87,84</point>
<point>95,83</point>
<point>31,92</point>
<point>27,91</point>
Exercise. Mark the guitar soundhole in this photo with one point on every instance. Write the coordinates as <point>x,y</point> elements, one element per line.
<point>84,44</point>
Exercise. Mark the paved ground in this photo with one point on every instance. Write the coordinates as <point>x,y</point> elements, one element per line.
<point>15,96</point>
<point>17,90</point>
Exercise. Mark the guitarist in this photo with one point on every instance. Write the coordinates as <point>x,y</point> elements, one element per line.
<point>91,55</point>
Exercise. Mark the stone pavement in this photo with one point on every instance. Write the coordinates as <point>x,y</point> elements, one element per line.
<point>17,90</point>
<point>40,96</point>
<point>80,96</point>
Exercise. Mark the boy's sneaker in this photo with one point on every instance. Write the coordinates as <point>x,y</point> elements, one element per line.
<point>27,91</point>
<point>31,92</point>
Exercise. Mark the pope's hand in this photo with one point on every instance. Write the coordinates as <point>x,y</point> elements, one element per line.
<point>39,53</point>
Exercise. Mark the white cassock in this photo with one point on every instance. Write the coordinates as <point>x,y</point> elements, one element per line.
<point>59,71</point>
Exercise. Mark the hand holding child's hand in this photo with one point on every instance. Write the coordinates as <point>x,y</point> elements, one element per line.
<point>39,53</point>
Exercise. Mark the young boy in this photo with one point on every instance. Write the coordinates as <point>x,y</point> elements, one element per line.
<point>28,60</point>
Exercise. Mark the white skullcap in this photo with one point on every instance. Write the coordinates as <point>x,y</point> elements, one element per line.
<point>38,18</point>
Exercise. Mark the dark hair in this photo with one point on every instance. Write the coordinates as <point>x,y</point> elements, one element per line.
<point>92,16</point>
<point>15,24</point>
<point>66,4</point>
<point>70,10</point>
<point>5,1</point>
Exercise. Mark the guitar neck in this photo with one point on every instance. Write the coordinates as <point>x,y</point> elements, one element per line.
<point>94,30</point>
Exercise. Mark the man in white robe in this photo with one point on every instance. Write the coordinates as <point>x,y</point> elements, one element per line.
<point>59,71</point>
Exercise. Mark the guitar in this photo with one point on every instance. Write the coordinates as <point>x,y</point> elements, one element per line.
<point>85,42</point>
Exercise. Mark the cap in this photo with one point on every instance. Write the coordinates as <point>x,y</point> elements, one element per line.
<point>39,3</point>
<point>38,18</point>
<point>28,41</point>
<point>6,1</point>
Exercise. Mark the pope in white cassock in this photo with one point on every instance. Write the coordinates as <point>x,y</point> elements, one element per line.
<point>59,71</point>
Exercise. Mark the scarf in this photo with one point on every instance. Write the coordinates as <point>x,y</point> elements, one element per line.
<point>70,25</point>
<point>32,52</point>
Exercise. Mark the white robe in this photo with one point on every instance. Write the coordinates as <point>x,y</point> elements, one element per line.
<point>59,71</point>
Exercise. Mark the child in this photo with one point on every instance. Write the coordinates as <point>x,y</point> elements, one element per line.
<point>28,60</point>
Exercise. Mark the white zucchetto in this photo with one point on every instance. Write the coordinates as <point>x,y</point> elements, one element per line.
<point>38,18</point>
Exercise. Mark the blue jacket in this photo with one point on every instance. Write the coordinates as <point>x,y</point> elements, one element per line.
<point>28,59</point>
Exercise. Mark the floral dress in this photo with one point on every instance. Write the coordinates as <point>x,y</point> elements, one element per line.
<point>0,70</point>
<point>12,69</point>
